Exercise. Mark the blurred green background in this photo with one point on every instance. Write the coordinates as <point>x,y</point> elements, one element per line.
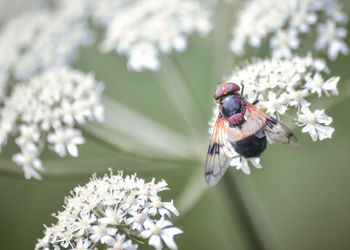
<point>299,200</point>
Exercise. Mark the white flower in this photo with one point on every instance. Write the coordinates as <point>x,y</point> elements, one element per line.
<point>141,29</point>
<point>303,18</point>
<point>132,202</point>
<point>332,37</point>
<point>102,233</point>
<point>113,216</point>
<point>160,230</point>
<point>312,122</point>
<point>275,105</point>
<point>283,22</point>
<point>119,243</point>
<point>29,135</point>
<point>317,84</point>
<point>82,244</point>
<point>90,215</point>
<point>164,208</point>
<point>29,161</point>
<point>45,109</point>
<point>137,219</point>
<point>242,163</point>
<point>72,111</point>
<point>84,222</point>
<point>143,56</point>
<point>66,138</point>
<point>283,43</point>
<point>297,97</point>
<point>49,117</point>
<point>50,39</point>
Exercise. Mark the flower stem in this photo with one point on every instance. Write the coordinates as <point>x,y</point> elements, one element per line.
<point>251,233</point>
<point>191,86</point>
<point>177,89</point>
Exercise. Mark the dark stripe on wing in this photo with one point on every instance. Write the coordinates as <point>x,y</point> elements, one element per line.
<point>271,122</point>
<point>214,149</point>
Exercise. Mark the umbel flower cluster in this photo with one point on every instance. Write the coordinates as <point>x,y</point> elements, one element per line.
<point>146,27</point>
<point>113,212</point>
<point>56,29</point>
<point>284,88</point>
<point>50,39</point>
<point>45,110</point>
<point>283,23</point>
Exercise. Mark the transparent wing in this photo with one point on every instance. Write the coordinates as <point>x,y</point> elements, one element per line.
<point>276,132</point>
<point>220,153</point>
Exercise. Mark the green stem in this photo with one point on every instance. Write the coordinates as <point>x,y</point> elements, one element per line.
<point>190,86</point>
<point>193,190</point>
<point>250,232</point>
<point>135,154</point>
<point>135,236</point>
<point>174,86</point>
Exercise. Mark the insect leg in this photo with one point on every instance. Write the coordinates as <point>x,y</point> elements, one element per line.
<point>242,89</point>
<point>256,99</point>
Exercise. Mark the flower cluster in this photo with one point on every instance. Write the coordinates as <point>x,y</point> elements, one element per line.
<point>49,39</point>
<point>284,22</point>
<point>45,109</point>
<point>144,28</point>
<point>282,85</point>
<point>139,29</point>
<point>113,212</point>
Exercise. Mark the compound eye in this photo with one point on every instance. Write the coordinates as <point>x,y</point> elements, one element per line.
<point>231,87</point>
<point>219,92</point>
<point>225,89</point>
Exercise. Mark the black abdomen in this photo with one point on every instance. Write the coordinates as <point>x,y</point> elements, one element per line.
<point>251,146</point>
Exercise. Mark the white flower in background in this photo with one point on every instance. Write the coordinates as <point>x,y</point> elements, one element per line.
<point>29,135</point>
<point>141,29</point>
<point>85,223</point>
<point>143,56</point>
<point>303,18</point>
<point>331,37</point>
<point>29,161</point>
<point>50,39</point>
<point>312,123</point>
<point>54,30</point>
<point>281,85</point>
<point>283,43</point>
<point>66,138</point>
<point>285,22</point>
<point>37,113</point>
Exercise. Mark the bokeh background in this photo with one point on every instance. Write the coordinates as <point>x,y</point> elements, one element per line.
<point>299,200</point>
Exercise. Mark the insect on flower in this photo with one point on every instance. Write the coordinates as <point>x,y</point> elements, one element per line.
<point>240,128</point>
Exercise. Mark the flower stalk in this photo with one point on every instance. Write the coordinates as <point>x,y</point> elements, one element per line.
<point>250,232</point>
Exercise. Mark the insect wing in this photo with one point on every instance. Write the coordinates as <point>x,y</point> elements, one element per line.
<point>220,153</point>
<point>275,131</point>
